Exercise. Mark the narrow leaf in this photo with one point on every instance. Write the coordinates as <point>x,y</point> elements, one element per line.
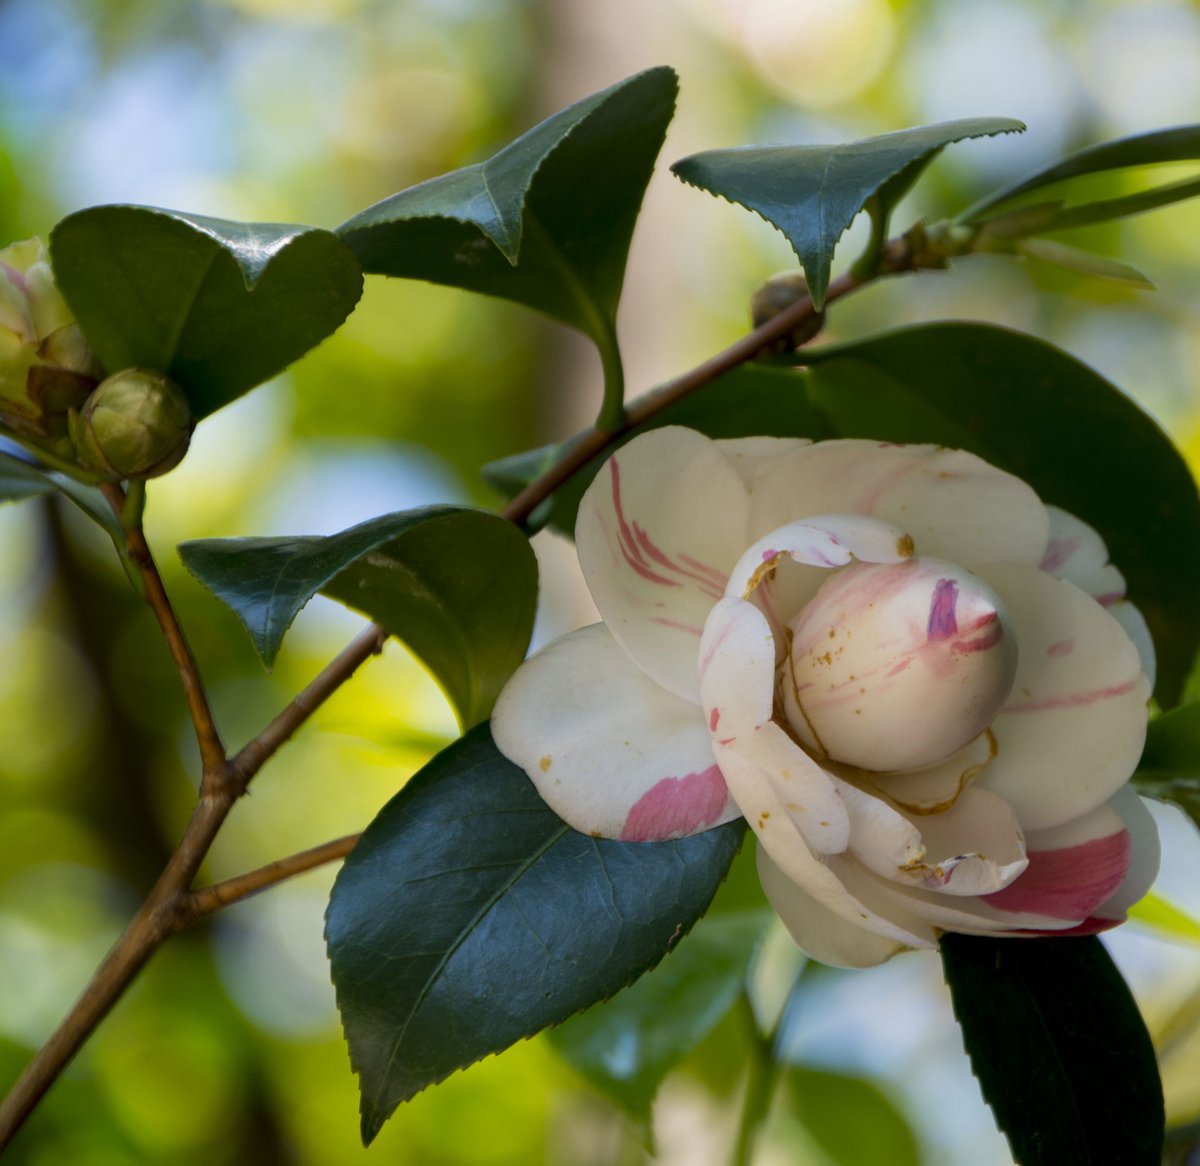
<point>627,1046</point>
<point>1180,144</point>
<point>218,306</point>
<point>1031,409</point>
<point>20,479</point>
<point>1157,913</point>
<point>470,916</point>
<point>545,222</point>
<point>458,586</point>
<point>853,1121</point>
<point>812,193</point>
<point>1082,262</point>
<point>1060,1049</point>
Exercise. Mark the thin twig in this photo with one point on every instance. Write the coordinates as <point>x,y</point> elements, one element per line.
<point>256,752</point>
<point>197,904</point>
<point>212,751</point>
<point>171,905</point>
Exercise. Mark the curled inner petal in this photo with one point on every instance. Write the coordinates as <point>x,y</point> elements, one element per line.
<point>898,666</point>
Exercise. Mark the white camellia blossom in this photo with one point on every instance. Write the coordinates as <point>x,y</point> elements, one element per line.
<point>923,688</point>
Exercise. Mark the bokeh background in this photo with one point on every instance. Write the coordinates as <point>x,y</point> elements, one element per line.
<point>227,1051</point>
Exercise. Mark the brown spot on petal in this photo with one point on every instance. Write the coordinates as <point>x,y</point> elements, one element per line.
<point>905,546</point>
<point>544,764</point>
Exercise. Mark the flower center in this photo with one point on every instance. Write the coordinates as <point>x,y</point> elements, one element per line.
<point>896,666</point>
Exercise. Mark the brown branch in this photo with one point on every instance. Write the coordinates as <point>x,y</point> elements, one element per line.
<point>255,753</point>
<point>212,751</point>
<point>171,905</point>
<point>206,900</point>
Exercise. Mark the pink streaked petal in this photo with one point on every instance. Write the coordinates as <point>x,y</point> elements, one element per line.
<point>1075,552</point>
<point>784,794</point>
<point>954,504</point>
<point>1069,883</point>
<point>677,806</point>
<point>823,934</point>
<point>658,530</point>
<point>968,913</point>
<point>1072,729</point>
<point>610,751</point>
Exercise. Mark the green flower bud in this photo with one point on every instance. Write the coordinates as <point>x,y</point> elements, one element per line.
<point>46,367</point>
<point>776,295</point>
<point>136,424</point>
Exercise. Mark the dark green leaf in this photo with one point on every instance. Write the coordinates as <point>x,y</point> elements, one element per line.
<point>218,306</point>
<point>853,1121</point>
<point>470,916</point>
<point>628,1045</point>
<point>19,479</point>
<point>1059,1047</point>
<point>1031,409</point>
<point>750,401</point>
<point>812,193</point>
<point>458,586</point>
<point>1170,765</point>
<point>545,222</point>
<point>1180,144</point>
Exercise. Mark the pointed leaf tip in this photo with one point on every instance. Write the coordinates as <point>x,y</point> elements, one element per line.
<point>217,306</point>
<point>459,586</point>
<point>811,194</point>
<point>470,916</point>
<point>545,222</point>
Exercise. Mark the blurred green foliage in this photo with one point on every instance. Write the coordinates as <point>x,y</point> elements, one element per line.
<point>227,1050</point>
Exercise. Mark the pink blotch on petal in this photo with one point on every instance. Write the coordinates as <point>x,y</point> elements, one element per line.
<point>714,719</point>
<point>942,622</point>
<point>677,806</point>
<point>1109,598</point>
<point>1061,648</point>
<point>1058,551</point>
<point>1069,883</point>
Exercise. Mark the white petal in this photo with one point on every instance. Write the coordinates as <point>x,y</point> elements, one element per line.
<point>751,455</point>
<point>658,530</point>
<point>954,504</point>
<point>1077,553</point>
<point>1144,855</point>
<point>826,541</point>
<point>780,789</point>
<point>819,932</point>
<point>1072,729</point>
<point>937,787</point>
<point>610,751</point>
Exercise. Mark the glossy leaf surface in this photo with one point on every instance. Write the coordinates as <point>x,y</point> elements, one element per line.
<point>627,1046</point>
<point>470,916</point>
<point>218,306</point>
<point>545,222</point>
<point>853,1121</point>
<point>812,193</point>
<point>458,586</point>
<point>1060,1049</point>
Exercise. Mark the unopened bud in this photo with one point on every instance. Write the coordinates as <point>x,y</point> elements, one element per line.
<point>898,666</point>
<point>779,293</point>
<point>46,367</point>
<point>136,424</point>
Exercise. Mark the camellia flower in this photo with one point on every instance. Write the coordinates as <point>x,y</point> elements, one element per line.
<point>47,369</point>
<point>922,688</point>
